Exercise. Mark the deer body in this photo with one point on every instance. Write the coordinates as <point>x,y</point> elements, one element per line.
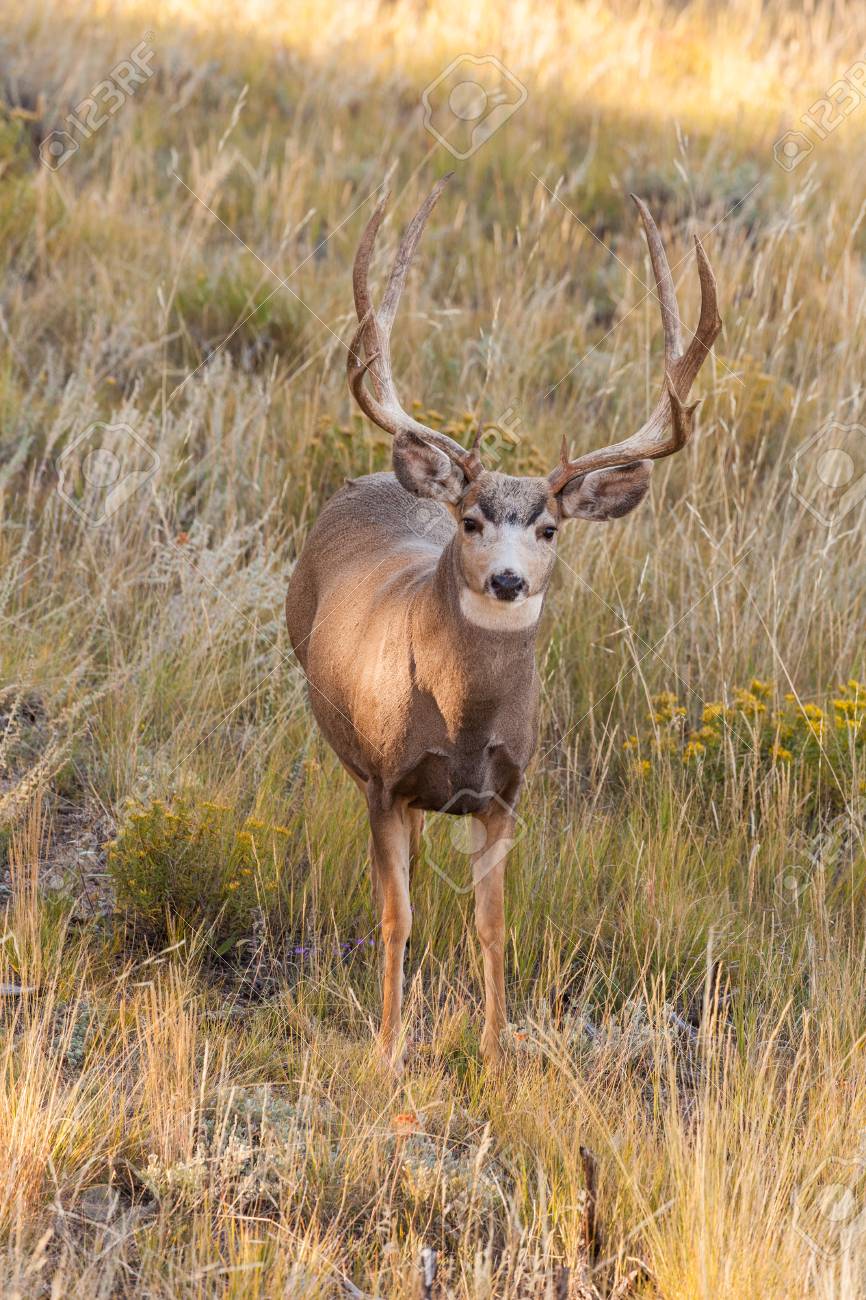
<point>418,701</point>
<point>414,606</point>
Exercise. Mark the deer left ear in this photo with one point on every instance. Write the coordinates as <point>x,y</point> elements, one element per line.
<point>606,493</point>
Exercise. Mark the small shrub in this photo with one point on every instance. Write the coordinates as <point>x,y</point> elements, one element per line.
<point>823,743</point>
<point>193,866</point>
<point>224,307</point>
<point>250,1147</point>
<point>260,1152</point>
<point>16,156</point>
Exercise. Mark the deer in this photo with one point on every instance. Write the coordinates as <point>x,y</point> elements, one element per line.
<point>415,604</point>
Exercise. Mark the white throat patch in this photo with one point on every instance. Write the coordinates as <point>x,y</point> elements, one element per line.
<point>500,615</point>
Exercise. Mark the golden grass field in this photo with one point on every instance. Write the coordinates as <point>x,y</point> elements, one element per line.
<point>191,1103</point>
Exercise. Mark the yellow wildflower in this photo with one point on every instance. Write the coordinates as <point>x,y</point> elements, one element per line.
<point>747,702</point>
<point>667,713</point>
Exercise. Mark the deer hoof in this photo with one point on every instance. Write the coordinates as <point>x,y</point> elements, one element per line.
<point>393,1056</point>
<point>491,1048</point>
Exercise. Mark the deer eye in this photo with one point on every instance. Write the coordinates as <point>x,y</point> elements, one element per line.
<point>548,533</point>
<point>471,526</point>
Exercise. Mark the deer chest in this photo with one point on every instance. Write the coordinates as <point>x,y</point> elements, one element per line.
<point>460,779</point>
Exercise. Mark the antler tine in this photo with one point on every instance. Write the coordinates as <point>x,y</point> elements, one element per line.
<point>361,267</point>
<point>664,283</point>
<point>370,349</point>
<point>405,254</point>
<point>356,368</point>
<point>709,324</point>
<point>670,416</point>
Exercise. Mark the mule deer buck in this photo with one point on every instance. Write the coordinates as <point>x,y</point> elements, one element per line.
<point>415,603</point>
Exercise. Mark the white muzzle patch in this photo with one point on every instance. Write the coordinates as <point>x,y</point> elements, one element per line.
<point>500,615</point>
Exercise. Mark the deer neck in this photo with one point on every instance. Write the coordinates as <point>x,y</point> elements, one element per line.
<point>471,661</point>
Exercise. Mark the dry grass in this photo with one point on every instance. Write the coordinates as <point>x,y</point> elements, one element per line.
<point>687,963</point>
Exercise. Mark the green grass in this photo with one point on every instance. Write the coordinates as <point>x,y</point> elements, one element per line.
<point>686,960</point>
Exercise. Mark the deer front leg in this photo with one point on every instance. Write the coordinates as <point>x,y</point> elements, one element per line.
<point>390,846</point>
<point>416,832</point>
<point>488,874</point>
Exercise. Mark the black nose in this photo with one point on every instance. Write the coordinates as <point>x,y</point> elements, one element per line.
<point>506,585</point>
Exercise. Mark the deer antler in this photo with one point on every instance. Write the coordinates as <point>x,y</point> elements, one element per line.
<point>370,349</point>
<point>650,442</point>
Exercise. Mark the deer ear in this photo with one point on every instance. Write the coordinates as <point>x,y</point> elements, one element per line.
<point>606,493</point>
<point>426,472</point>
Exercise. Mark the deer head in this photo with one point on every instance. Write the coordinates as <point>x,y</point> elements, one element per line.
<point>507,525</point>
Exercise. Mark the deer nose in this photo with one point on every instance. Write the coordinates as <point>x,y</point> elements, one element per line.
<point>507,585</point>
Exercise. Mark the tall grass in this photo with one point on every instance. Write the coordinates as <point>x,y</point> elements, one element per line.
<point>686,961</point>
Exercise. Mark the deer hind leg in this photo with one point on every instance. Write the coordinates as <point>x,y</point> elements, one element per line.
<point>390,832</point>
<point>488,875</point>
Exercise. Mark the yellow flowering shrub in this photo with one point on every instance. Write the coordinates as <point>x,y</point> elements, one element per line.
<point>196,865</point>
<point>801,733</point>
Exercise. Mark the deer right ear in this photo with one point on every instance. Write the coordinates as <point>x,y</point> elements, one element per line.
<point>426,472</point>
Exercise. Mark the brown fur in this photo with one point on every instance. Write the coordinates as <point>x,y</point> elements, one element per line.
<point>414,699</point>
